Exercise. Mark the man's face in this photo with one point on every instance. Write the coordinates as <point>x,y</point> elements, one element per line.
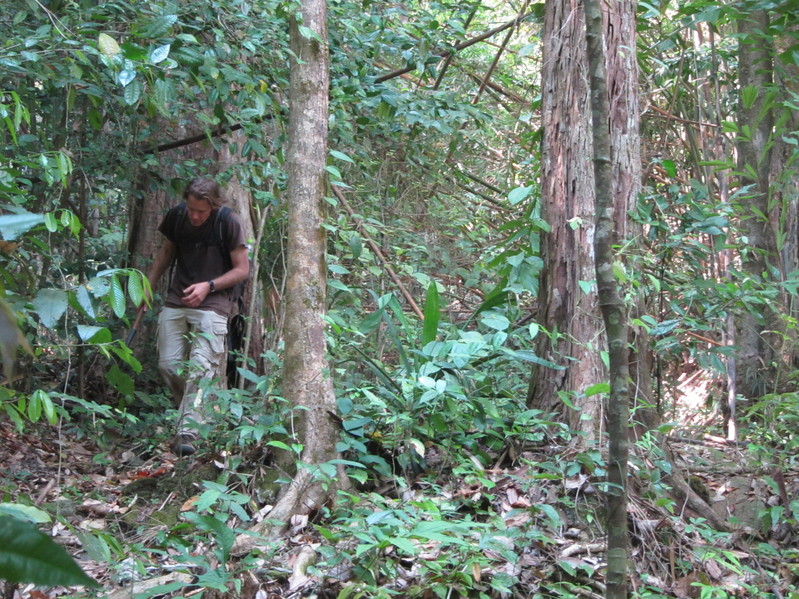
<point>199,210</point>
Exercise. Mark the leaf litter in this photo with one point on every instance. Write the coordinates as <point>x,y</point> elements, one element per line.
<point>535,529</point>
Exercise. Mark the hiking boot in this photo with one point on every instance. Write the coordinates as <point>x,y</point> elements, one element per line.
<point>184,445</point>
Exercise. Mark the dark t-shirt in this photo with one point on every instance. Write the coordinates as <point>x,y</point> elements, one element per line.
<point>198,258</point>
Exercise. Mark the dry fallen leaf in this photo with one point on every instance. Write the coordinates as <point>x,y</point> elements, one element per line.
<point>189,503</point>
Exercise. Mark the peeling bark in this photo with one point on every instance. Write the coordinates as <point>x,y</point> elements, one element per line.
<point>568,200</point>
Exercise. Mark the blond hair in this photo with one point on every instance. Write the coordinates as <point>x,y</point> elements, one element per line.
<point>203,188</point>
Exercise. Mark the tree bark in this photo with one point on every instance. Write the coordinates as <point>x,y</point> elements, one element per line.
<point>567,311</point>
<point>568,307</point>
<point>758,345</point>
<point>306,373</point>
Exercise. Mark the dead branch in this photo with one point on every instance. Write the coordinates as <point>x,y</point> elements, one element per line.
<point>458,47</point>
<point>384,262</point>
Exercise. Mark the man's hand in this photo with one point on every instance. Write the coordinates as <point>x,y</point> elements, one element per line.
<point>194,295</point>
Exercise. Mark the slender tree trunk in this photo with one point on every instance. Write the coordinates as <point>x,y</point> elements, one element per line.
<point>612,305</point>
<point>306,372</point>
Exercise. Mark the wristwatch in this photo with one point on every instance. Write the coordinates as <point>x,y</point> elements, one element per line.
<point>212,286</point>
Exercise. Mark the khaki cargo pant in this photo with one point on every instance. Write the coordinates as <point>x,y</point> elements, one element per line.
<point>191,350</point>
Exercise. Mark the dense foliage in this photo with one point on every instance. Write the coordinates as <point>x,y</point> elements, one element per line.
<point>458,488</point>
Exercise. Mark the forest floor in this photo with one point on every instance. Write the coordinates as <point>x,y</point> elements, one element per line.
<point>110,504</point>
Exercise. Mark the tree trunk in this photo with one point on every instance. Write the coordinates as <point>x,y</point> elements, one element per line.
<point>758,345</point>
<point>570,314</point>
<point>567,299</point>
<point>612,306</point>
<point>306,372</point>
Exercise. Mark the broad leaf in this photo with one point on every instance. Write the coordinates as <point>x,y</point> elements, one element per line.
<point>116,297</point>
<point>94,334</point>
<point>160,54</point>
<point>14,225</point>
<point>85,301</point>
<point>432,314</point>
<point>28,555</point>
<point>132,92</point>
<point>126,76</point>
<point>108,45</point>
<point>136,288</point>
<point>519,194</point>
<point>50,305</point>
<point>28,513</point>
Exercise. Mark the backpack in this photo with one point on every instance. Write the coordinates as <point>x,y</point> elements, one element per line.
<point>237,325</point>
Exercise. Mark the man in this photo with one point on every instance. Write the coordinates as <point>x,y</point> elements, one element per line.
<point>207,246</point>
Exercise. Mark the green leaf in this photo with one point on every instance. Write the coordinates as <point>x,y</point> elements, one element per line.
<point>28,555</point>
<point>136,287</point>
<point>404,545</point>
<point>96,547</point>
<point>519,194</point>
<point>279,445</point>
<point>40,403</point>
<point>85,301</point>
<point>132,92</point>
<point>597,389</point>
<point>116,297</point>
<point>126,76</point>
<point>94,334</point>
<point>50,222</point>
<point>496,321</point>
<point>341,156</point>
<point>308,33</point>
<point>356,245</point>
<point>50,305</point>
<point>224,536</point>
<point>432,314</point>
<point>749,95</point>
<point>108,45</point>
<point>121,381</point>
<point>24,512</point>
<point>334,172</point>
<point>14,225</point>
<point>160,54</point>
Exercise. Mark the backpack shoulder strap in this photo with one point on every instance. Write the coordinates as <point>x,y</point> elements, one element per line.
<point>222,219</point>
<point>176,219</point>
<point>218,233</point>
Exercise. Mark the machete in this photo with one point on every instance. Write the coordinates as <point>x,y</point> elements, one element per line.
<point>134,329</point>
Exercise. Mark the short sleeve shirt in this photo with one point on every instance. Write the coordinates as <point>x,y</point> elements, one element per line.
<point>201,254</point>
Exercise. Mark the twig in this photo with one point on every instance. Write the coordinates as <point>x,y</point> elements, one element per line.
<point>705,339</point>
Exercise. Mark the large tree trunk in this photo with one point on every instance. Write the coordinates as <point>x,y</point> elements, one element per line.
<point>570,314</point>
<point>568,311</point>
<point>757,335</point>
